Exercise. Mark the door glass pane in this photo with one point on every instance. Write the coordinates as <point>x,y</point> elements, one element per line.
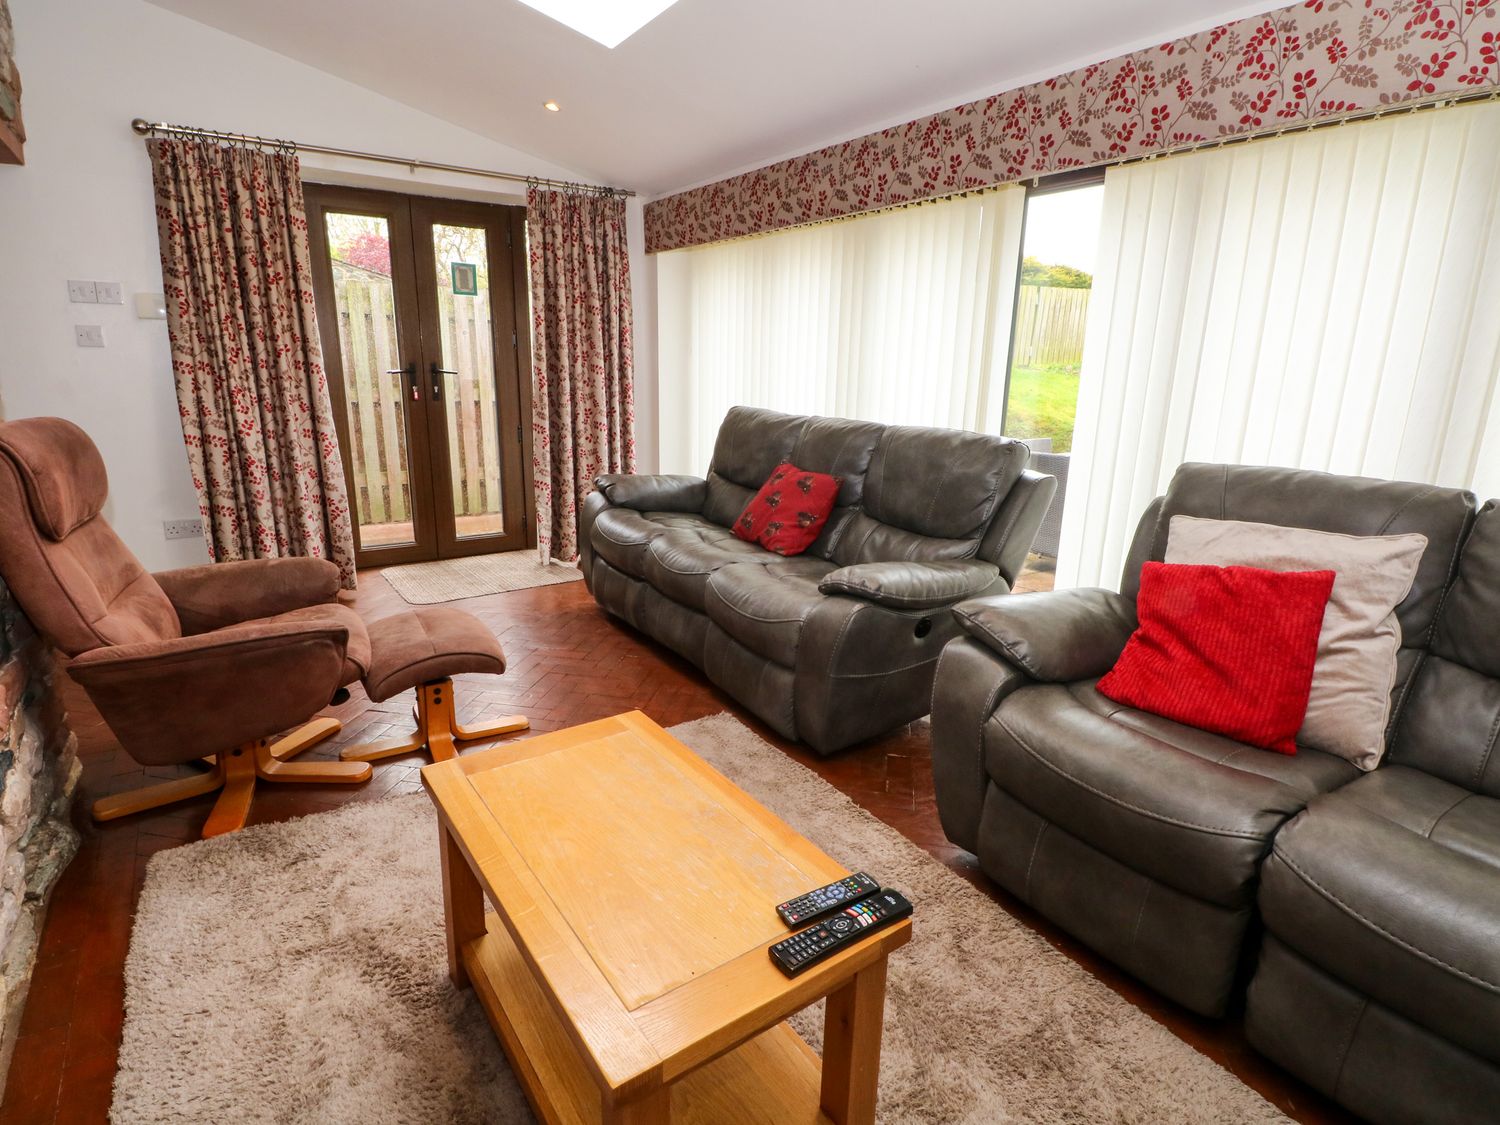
<point>359,247</point>
<point>463,288</point>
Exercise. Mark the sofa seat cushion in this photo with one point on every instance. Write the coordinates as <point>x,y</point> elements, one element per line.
<point>765,606</point>
<point>680,563</point>
<point>1392,885</point>
<point>356,652</point>
<point>1193,810</point>
<point>620,536</point>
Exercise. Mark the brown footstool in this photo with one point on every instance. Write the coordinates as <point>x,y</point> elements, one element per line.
<point>425,649</point>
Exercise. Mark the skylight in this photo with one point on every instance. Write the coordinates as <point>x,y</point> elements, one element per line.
<point>610,22</point>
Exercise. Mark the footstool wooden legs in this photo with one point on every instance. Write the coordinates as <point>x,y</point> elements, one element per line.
<point>424,649</point>
<point>437,729</point>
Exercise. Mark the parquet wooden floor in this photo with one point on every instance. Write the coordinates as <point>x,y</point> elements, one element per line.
<point>568,663</point>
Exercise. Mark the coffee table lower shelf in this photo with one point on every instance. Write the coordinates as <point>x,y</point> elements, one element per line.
<point>772,1079</point>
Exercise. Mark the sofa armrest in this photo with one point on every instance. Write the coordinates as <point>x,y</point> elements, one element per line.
<point>174,700</point>
<point>654,493</point>
<point>1013,530</point>
<point>972,681</point>
<point>913,585</point>
<point>1055,637</point>
<point>219,594</point>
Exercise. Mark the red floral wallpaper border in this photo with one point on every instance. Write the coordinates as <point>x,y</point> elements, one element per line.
<point>1322,58</point>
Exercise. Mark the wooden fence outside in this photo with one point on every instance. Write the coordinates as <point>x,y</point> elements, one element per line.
<point>1049,326</point>
<point>367,341</point>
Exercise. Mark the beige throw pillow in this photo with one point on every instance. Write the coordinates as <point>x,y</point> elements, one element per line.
<point>1356,667</point>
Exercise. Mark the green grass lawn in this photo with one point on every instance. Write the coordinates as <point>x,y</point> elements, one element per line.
<point>1042,403</point>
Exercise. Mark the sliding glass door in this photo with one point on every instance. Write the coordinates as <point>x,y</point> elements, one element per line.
<point>421,309</point>
<point>1052,308</point>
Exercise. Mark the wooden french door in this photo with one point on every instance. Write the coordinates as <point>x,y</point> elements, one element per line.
<point>423,316</point>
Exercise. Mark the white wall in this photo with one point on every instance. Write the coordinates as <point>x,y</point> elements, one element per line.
<point>81,207</point>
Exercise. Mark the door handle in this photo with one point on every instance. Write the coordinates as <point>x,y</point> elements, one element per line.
<point>409,374</point>
<point>437,383</point>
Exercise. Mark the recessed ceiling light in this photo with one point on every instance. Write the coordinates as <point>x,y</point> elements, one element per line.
<point>553,106</point>
<point>610,22</point>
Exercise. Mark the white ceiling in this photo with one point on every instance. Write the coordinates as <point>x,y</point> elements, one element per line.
<point>710,87</point>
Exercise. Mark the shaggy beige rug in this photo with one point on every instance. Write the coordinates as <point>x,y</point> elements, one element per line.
<point>448,580</point>
<point>295,972</point>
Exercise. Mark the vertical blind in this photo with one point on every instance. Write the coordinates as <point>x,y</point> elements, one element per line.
<point>1326,301</point>
<point>900,317</point>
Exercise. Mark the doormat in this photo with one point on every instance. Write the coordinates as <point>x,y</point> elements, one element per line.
<point>448,580</point>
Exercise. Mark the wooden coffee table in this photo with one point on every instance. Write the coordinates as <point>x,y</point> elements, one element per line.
<point>625,967</point>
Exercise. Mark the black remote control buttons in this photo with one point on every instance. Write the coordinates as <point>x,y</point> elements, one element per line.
<point>835,896</point>
<point>813,944</point>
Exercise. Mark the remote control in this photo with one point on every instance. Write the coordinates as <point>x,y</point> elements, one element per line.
<point>825,900</point>
<point>810,946</point>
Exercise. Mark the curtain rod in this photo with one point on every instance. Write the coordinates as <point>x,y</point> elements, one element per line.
<point>161,128</point>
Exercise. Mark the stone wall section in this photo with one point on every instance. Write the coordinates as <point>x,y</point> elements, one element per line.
<point>39,772</point>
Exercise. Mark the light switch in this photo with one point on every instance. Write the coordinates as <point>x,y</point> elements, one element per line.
<point>151,306</point>
<point>109,292</point>
<point>89,335</point>
<point>82,293</point>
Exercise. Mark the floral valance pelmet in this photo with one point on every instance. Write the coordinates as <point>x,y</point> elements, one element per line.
<point>1321,59</point>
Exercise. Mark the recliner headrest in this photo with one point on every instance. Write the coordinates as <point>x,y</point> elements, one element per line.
<point>61,469</point>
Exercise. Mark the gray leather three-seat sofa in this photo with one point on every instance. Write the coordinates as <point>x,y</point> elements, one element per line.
<point>1372,901</point>
<point>840,643</point>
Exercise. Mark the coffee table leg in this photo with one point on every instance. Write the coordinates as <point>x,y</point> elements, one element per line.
<point>851,1047</point>
<point>463,904</point>
<point>654,1108</point>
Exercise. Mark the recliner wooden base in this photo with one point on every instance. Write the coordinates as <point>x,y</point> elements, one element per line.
<point>235,773</point>
<point>309,734</point>
<point>437,729</point>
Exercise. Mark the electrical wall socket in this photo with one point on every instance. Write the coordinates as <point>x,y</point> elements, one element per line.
<point>83,293</point>
<point>89,335</point>
<point>109,292</point>
<point>183,529</point>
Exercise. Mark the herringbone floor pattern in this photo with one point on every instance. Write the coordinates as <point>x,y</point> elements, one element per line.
<point>568,663</point>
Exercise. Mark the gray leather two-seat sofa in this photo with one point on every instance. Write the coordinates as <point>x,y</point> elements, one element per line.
<point>1371,900</point>
<point>839,643</point>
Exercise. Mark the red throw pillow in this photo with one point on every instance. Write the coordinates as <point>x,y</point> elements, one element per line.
<point>790,509</point>
<point>1228,649</point>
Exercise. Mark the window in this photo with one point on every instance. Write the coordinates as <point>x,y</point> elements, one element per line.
<point>902,316</point>
<point>1324,300</point>
<point>1052,305</point>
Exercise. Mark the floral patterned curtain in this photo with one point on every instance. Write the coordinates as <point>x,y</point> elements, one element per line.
<point>256,416</point>
<point>583,402</point>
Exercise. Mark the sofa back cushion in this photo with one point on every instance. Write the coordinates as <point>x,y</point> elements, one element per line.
<point>840,447</point>
<point>930,495</point>
<point>1349,707</point>
<point>1327,502</point>
<point>1450,725</point>
<point>908,492</point>
<point>750,444</point>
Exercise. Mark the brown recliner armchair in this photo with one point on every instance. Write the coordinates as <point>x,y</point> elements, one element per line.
<point>210,661</point>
